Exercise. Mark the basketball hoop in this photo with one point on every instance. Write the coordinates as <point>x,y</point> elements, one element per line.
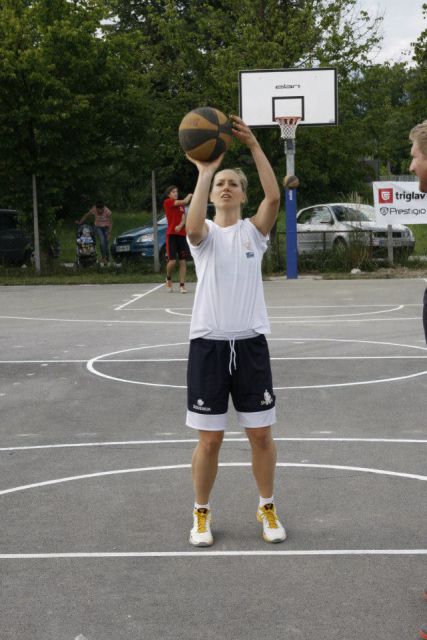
<point>288,126</point>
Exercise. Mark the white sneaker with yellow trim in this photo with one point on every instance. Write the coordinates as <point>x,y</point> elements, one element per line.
<point>200,534</point>
<point>273,530</point>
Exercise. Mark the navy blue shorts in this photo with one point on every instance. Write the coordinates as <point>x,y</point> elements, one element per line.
<point>217,370</point>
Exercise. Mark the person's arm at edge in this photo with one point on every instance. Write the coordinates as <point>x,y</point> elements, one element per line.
<point>266,215</point>
<point>85,217</point>
<point>185,200</point>
<point>195,223</point>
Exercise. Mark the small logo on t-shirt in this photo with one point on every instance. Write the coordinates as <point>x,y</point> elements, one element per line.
<point>267,398</point>
<point>250,254</point>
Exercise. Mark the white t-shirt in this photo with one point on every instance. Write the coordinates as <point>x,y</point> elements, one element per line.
<point>229,298</point>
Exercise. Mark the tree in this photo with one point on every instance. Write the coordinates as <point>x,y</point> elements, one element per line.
<point>73,104</point>
<point>418,81</point>
<point>195,48</point>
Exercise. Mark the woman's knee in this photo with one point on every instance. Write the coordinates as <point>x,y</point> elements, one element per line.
<point>210,442</point>
<point>260,437</point>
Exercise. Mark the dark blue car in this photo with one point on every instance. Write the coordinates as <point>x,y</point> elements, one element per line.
<point>139,242</point>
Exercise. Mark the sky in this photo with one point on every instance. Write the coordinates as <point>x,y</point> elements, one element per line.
<point>403,23</point>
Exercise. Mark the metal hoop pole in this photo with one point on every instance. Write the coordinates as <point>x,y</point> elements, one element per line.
<point>288,126</point>
<point>291,215</point>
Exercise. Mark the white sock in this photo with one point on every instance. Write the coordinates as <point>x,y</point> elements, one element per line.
<point>264,501</point>
<point>202,506</point>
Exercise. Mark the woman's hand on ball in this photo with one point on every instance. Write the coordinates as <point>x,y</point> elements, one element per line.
<point>242,132</point>
<point>202,166</point>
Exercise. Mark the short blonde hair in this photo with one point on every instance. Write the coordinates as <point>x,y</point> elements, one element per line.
<point>418,135</point>
<point>243,180</point>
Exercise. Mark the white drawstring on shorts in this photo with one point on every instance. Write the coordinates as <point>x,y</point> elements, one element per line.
<point>231,342</point>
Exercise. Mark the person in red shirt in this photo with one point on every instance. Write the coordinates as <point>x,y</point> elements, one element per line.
<point>176,243</point>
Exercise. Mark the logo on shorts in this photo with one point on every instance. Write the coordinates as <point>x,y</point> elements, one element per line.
<point>199,406</point>
<point>250,254</point>
<point>385,196</point>
<point>267,398</point>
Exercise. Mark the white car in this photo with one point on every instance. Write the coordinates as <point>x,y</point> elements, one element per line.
<point>336,224</point>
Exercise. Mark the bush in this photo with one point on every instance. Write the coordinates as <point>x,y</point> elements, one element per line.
<point>339,259</point>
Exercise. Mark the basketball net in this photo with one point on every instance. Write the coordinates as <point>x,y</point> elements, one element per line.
<point>288,126</point>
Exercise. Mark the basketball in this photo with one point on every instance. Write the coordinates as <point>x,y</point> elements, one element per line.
<point>205,133</point>
<point>291,182</point>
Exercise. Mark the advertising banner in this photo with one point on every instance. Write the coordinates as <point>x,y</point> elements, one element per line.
<point>399,202</point>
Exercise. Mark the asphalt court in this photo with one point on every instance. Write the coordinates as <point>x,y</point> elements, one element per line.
<point>95,495</point>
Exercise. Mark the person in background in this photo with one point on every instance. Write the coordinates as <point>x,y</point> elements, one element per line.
<point>176,243</point>
<point>418,137</point>
<point>103,226</point>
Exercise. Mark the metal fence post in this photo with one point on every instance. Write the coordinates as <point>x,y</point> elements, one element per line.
<point>155,234</point>
<point>36,227</point>
<point>390,243</point>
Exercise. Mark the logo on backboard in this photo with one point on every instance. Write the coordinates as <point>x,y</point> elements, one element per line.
<point>288,86</point>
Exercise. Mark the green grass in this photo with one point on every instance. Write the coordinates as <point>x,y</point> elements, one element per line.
<point>60,275</point>
<point>420,234</point>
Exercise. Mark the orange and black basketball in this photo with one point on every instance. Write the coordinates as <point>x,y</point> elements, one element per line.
<point>205,133</point>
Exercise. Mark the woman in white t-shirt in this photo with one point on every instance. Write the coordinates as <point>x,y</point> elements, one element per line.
<point>228,350</point>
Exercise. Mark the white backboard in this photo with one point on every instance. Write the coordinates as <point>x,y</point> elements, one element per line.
<point>265,94</point>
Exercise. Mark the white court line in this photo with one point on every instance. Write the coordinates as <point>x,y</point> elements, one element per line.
<point>390,307</point>
<point>119,443</point>
<point>138,296</point>
<point>187,322</point>
<point>91,363</point>
<point>279,358</point>
<point>338,315</point>
<point>273,321</point>
<point>213,554</point>
<point>41,361</point>
<point>81,320</point>
<point>114,472</point>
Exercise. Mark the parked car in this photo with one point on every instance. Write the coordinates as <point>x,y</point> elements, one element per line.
<point>139,242</point>
<point>15,244</point>
<point>332,225</point>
